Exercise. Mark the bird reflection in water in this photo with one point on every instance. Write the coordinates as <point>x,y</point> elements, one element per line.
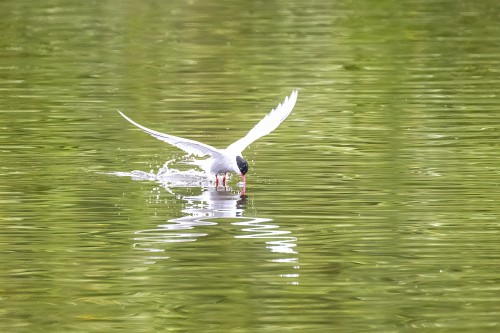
<point>211,207</point>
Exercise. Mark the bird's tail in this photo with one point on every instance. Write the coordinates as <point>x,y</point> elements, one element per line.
<point>204,164</point>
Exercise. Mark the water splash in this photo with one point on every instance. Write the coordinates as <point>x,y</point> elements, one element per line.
<point>170,177</point>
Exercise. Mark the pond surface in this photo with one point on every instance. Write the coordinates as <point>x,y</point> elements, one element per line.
<point>373,208</point>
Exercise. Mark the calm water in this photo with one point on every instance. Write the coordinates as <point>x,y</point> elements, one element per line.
<point>373,208</point>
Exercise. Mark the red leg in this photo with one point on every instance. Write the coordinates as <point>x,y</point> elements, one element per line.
<point>224,180</point>
<point>216,181</point>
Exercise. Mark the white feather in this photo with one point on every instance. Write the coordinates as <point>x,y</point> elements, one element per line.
<point>189,146</point>
<point>224,160</point>
<point>268,124</point>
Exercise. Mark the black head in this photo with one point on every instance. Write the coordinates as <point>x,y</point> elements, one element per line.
<point>242,165</point>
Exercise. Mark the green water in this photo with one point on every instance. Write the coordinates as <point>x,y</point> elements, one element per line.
<point>373,208</point>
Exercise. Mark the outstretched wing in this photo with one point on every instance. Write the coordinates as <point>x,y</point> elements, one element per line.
<point>268,124</point>
<point>189,146</point>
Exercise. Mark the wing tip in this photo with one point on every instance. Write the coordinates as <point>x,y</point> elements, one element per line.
<point>292,98</point>
<point>122,114</point>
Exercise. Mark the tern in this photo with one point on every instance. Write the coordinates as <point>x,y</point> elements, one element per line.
<point>223,161</point>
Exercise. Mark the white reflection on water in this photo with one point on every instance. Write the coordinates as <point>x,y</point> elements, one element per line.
<point>206,210</point>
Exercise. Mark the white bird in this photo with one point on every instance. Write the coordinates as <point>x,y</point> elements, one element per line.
<point>226,160</point>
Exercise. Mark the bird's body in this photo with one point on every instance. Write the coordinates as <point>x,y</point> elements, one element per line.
<point>222,164</point>
<point>222,161</point>
<point>218,163</point>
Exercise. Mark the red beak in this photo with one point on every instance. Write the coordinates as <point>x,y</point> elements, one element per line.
<point>243,188</point>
